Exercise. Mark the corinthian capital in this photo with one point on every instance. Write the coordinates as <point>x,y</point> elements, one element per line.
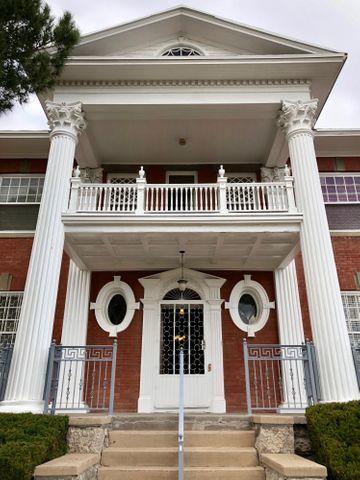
<point>297,116</point>
<point>65,118</point>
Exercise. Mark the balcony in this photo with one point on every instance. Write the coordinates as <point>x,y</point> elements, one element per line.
<point>221,225</point>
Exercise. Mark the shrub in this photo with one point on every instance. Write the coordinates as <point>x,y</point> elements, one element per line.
<point>27,440</point>
<point>334,430</point>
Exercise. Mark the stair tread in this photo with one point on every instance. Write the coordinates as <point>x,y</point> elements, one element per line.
<point>175,449</point>
<point>187,432</point>
<point>207,469</point>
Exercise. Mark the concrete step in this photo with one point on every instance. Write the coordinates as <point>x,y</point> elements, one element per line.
<point>171,473</point>
<point>168,457</point>
<point>138,439</point>
<point>169,421</point>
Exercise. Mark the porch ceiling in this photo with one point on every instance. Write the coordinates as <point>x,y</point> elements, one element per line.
<point>213,250</point>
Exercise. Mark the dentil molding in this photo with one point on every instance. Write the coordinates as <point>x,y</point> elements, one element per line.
<point>179,83</point>
<point>65,117</point>
<point>297,116</point>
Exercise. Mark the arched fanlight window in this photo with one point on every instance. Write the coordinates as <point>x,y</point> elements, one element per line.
<point>181,51</point>
<point>177,294</point>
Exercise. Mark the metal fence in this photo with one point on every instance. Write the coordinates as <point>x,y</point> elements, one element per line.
<point>80,378</point>
<point>356,355</point>
<point>6,352</point>
<point>280,377</point>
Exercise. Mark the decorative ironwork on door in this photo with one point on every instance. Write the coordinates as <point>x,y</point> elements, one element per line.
<point>182,325</point>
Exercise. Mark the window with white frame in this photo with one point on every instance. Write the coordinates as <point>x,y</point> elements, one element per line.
<point>21,188</point>
<point>10,307</point>
<point>340,187</point>
<point>351,302</point>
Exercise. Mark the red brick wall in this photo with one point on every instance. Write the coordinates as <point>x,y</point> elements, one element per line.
<point>234,373</point>
<point>347,259</point>
<point>16,165</point>
<point>14,259</point>
<point>129,341</point>
<point>328,164</point>
<point>129,358</point>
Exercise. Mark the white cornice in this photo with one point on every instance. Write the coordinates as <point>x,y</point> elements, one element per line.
<point>24,134</point>
<point>181,83</point>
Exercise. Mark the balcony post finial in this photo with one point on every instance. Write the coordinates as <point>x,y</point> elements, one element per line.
<point>222,181</point>
<point>140,198</point>
<point>141,172</point>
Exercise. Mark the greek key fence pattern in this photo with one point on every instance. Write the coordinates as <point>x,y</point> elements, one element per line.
<point>280,377</point>
<point>80,378</point>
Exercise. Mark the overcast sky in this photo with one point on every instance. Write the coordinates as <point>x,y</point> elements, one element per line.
<point>330,23</point>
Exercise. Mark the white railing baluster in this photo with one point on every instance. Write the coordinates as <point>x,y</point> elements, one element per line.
<point>177,199</point>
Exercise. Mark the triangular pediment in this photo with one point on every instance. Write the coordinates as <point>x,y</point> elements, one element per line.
<point>213,36</point>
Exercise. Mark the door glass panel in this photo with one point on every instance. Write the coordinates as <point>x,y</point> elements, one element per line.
<point>182,325</point>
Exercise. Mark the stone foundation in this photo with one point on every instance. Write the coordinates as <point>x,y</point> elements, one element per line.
<point>88,434</point>
<point>274,433</point>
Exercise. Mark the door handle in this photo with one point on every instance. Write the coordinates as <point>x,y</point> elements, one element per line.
<point>209,367</point>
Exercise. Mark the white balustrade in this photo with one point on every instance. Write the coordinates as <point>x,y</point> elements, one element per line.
<point>108,198</point>
<point>200,198</point>
<point>257,197</point>
<point>218,198</point>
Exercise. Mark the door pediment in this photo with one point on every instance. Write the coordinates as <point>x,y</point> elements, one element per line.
<point>157,285</point>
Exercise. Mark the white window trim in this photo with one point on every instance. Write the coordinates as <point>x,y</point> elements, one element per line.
<point>10,293</point>
<point>341,174</point>
<point>186,173</point>
<point>257,291</point>
<point>21,175</point>
<point>102,302</point>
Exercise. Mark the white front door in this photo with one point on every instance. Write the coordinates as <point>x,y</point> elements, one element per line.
<point>183,324</point>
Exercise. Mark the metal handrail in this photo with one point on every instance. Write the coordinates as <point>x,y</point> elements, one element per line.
<point>181,417</point>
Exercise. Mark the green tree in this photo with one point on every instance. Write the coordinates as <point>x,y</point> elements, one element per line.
<point>33,49</point>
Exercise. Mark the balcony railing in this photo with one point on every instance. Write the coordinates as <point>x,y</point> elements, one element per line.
<point>212,198</point>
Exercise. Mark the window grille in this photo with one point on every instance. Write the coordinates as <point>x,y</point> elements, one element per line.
<point>122,179</point>
<point>246,197</point>
<point>21,188</point>
<point>351,302</point>
<point>241,178</point>
<point>181,52</point>
<point>340,188</point>
<point>10,307</point>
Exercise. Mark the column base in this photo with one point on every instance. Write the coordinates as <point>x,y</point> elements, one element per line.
<point>293,409</point>
<point>21,406</point>
<point>145,404</point>
<point>218,405</point>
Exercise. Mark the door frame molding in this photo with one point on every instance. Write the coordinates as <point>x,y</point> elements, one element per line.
<point>155,287</point>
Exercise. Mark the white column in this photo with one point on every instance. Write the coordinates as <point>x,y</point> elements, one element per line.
<point>291,332</point>
<point>28,366</point>
<point>74,333</point>
<point>337,371</point>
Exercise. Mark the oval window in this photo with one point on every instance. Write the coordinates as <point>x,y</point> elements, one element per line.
<point>117,309</point>
<point>247,308</point>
